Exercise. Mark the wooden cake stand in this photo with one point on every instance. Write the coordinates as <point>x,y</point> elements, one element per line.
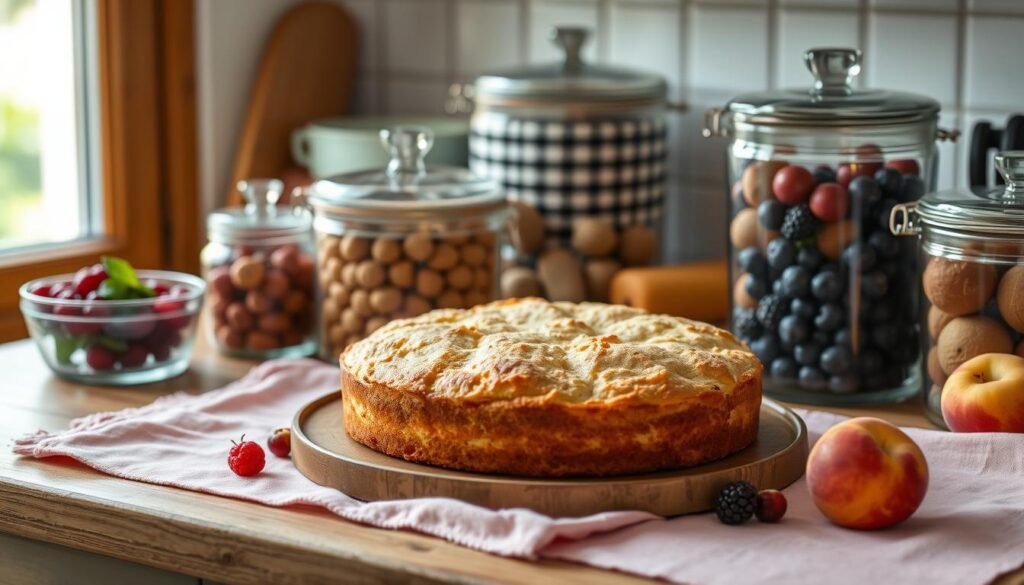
<point>324,453</point>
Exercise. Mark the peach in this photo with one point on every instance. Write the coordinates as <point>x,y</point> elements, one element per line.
<point>986,394</point>
<point>865,473</point>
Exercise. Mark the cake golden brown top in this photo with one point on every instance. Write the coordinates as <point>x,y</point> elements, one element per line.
<point>551,352</point>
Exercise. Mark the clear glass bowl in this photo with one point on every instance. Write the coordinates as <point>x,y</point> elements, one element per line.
<point>116,342</point>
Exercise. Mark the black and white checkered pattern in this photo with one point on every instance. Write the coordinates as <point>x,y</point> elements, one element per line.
<point>609,168</point>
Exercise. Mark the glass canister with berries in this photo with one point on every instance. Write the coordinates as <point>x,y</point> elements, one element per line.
<point>259,269</point>
<point>972,253</point>
<point>823,293</point>
<point>401,241</point>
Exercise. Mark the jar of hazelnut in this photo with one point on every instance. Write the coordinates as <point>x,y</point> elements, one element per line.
<point>260,273</point>
<point>401,241</point>
<point>972,252</point>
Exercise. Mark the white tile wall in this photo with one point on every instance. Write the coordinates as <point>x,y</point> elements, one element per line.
<point>994,79</point>
<point>728,48</point>
<point>965,53</point>
<point>913,52</point>
<point>490,35</point>
<point>416,32</point>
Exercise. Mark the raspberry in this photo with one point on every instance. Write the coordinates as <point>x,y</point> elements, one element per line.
<point>735,503</point>
<point>246,458</point>
<point>770,505</point>
<point>280,442</point>
<point>800,223</point>
<point>770,310</point>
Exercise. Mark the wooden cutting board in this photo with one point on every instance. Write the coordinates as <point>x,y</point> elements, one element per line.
<point>324,453</point>
<point>307,72</point>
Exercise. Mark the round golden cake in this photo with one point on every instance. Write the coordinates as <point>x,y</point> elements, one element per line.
<point>544,389</point>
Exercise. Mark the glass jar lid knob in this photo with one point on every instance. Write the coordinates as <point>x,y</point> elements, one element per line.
<point>833,70</point>
<point>261,196</point>
<point>406,146</point>
<point>1010,164</point>
<point>570,39</point>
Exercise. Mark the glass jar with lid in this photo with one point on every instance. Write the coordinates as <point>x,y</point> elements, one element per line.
<point>401,241</point>
<point>580,150</point>
<point>259,268</point>
<point>972,251</point>
<point>822,292</point>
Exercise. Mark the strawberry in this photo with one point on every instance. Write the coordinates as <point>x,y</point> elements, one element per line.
<point>246,458</point>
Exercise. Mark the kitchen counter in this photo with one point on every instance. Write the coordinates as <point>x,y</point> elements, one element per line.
<point>182,536</point>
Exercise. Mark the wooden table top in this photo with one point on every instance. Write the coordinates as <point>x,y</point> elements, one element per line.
<point>216,538</point>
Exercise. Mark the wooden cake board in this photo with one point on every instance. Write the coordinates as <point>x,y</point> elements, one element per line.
<point>324,453</point>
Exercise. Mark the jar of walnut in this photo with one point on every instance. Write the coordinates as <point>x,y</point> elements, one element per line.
<point>260,271</point>
<point>401,242</point>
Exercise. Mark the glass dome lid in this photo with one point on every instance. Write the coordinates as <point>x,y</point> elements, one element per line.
<point>831,101</point>
<point>407,188</point>
<point>261,217</point>
<point>997,212</point>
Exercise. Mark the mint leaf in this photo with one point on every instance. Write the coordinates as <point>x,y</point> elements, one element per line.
<point>65,346</point>
<point>124,281</point>
<point>112,343</point>
<point>113,290</point>
<point>121,271</point>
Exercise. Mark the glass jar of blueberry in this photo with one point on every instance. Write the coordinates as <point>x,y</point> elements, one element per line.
<point>823,293</point>
<point>260,273</point>
<point>972,255</point>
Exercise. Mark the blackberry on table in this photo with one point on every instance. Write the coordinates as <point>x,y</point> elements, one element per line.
<point>736,502</point>
<point>770,310</point>
<point>800,223</point>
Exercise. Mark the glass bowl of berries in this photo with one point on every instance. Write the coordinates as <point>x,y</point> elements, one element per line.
<point>111,324</point>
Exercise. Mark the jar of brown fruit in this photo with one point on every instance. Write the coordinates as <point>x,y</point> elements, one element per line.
<point>260,273</point>
<point>972,254</point>
<point>399,242</point>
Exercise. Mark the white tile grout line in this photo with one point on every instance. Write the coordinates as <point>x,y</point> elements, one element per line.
<point>960,73</point>
<point>772,52</point>
<point>383,81</point>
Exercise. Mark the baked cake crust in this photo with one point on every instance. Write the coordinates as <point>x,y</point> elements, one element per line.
<point>530,387</point>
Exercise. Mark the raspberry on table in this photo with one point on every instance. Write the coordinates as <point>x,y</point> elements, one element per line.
<point>246,458</point>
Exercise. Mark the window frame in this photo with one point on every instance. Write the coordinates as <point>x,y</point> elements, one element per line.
<point>150,202</point>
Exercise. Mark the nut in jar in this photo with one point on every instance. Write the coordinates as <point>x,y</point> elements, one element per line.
<point>399,276</point>
<point>261,273</point>
<point>398,243</point>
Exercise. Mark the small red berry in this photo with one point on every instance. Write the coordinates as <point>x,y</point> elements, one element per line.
<point>99,358</point>
<point>830,201</point>
<point>793,184</point>
<point>770,505</point>
<point>89,279</point>
<point>246,458</point>
<point>280,442</point>
<point>42,289</point>
<point>906,166</point>
<point>135,356</point>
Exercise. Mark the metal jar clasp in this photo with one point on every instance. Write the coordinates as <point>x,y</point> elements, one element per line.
<point>903,220</point>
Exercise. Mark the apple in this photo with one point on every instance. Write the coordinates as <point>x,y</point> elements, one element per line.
<point>865,473</point>
<point>985,395</point>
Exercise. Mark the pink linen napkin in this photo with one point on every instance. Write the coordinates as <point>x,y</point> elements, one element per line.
<point>970,528</point>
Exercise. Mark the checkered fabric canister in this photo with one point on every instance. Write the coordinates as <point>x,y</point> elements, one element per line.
<point>613,169</point>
